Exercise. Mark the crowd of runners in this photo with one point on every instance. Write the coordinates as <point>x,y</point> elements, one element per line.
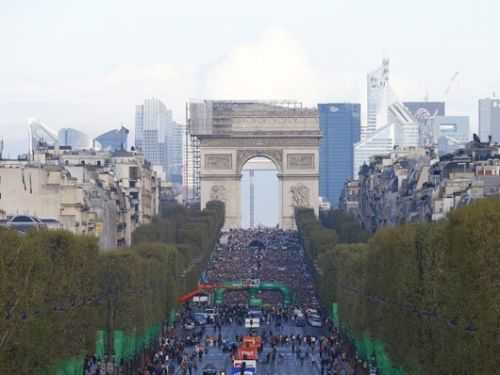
<point>310,354</point>
<point>287,347</point>
<point>264,254</point>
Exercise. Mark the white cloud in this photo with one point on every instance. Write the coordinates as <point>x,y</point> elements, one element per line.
<point>275,66</point>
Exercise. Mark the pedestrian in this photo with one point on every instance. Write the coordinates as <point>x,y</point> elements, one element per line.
<point>171,368</point>
<point>184,367</point>
<point>200,353</point>
<point>313,360</point>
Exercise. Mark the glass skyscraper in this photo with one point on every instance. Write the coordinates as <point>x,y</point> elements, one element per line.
<point>340,129</point>
<point>114,140</point>
<point>489,119</point>
<point>160,138</point>
<point>76,139</point>
<point>151,121</point>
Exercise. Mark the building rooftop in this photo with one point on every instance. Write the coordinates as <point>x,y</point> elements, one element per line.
<point>122,154</point>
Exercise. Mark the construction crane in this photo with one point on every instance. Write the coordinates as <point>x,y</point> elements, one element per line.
<point>450,83</point>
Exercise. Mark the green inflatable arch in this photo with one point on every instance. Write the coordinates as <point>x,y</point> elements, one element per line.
<point>253,287</point>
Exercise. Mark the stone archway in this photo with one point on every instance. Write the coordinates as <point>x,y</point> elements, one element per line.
<point>288,137</point>
<point>274,155</point>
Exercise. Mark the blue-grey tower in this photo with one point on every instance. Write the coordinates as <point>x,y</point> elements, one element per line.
<point>340,129</point>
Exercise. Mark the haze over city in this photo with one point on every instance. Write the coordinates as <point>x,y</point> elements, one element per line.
<point>250,188</point>
<point>87,64</point>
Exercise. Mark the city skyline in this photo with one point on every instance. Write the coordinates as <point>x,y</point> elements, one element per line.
<point>93,88</point>
<point>178,174</point>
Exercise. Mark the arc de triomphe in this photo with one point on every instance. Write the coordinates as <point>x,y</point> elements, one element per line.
<point>289,137</point>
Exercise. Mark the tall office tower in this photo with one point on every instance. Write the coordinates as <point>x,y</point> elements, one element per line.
<point>340,130</point>
<point>424,112</point>
<point>377,95</point>
<point>139,126</point>
<point>450,133</point>
<point>175,139</point>
<point>75,139</point>
<point>489,119</point>
<point>389,122</point>
<point>151,123</point>
<point>113,140</point>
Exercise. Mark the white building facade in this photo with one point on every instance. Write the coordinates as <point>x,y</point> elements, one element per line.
<point>377,93</point>
<point>87,192</point>
<point>389,122</point>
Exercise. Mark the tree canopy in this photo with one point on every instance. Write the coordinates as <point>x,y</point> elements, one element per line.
<point>424,298</point>
<point>62,298</point>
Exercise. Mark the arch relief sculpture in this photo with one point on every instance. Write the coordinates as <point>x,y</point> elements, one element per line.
<point>218,193</point>
<point>300,195</point>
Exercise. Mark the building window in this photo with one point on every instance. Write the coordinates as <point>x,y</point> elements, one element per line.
<point>133,173</point>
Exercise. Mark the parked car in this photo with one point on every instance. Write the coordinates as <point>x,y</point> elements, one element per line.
<point>210,370</point>
<point>25,223</point>
<point>315,322</point>
<point>200,319</point>
<point>314,316</point>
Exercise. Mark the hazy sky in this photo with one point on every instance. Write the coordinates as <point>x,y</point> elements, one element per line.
<point>266,198</point>
<point>85,64</point>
